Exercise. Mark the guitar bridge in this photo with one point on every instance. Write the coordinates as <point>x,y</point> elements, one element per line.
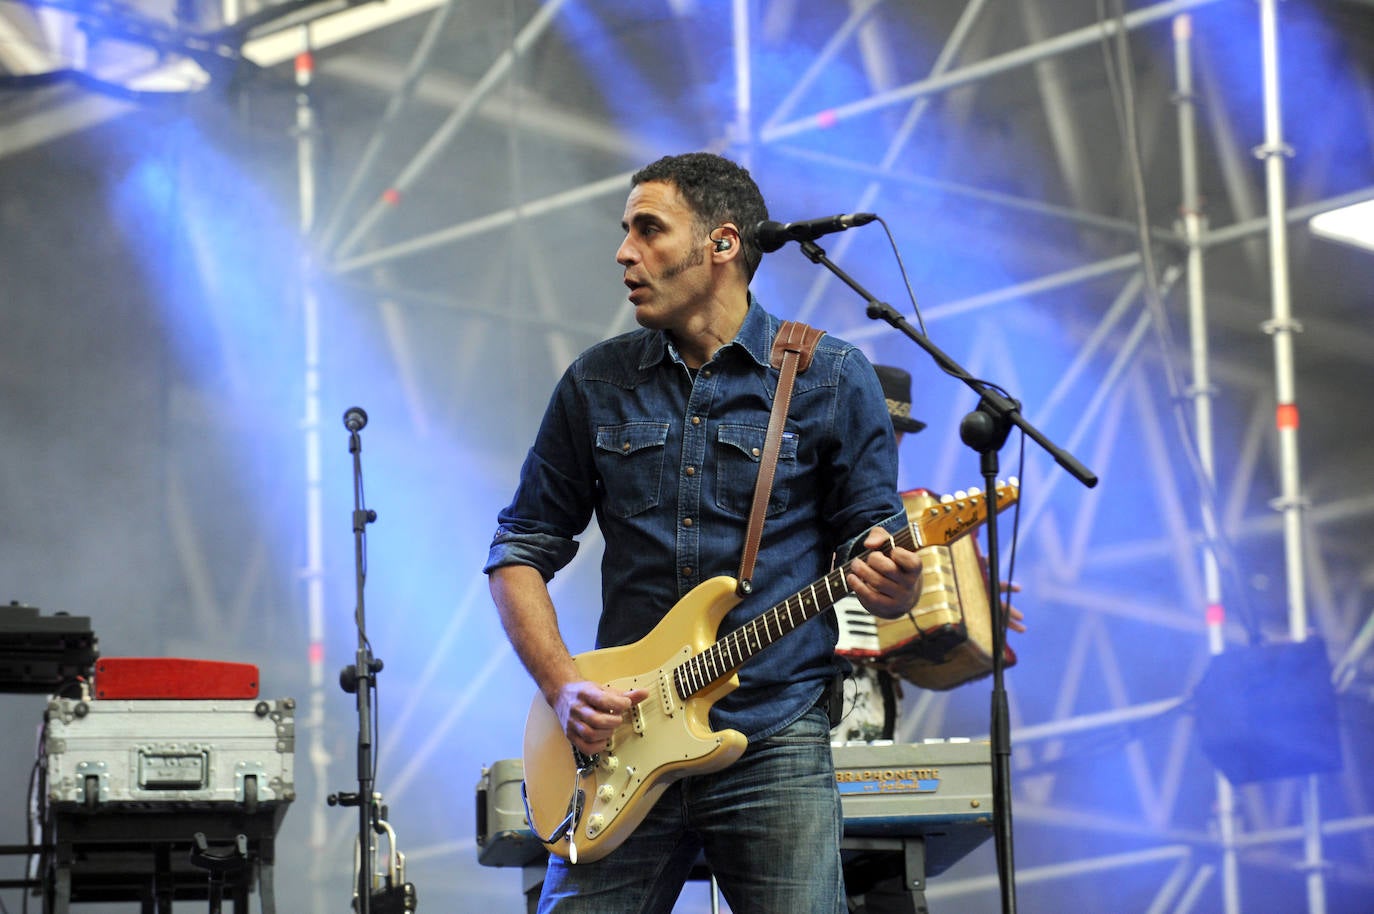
<point>584,762</point>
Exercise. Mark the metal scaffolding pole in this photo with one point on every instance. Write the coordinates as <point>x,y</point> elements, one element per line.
<point>1118,264</point>
<point>305,133</point>
<point>1282,327</point>
<point>1238,231</point>
<point>883,175</point>
<point>952,47</point>
<point>394,108</point>
<point>1193,227</point>
<point>859,13</point>
<point>498,71</point>
<point>1084,37</point>
<point>744,86</point>
<point>1040,874</point>
<point>508,216</point>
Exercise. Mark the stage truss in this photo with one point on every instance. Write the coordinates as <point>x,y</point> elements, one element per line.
<point>363,239</point>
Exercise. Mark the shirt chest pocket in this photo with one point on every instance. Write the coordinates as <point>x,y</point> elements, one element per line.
<point>630,459</point>
<point>739,450</point>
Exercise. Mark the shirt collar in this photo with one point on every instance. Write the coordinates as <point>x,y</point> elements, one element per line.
<point>756,333</point>
<point>755,337</point>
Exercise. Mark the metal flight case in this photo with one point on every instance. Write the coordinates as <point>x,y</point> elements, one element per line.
<point>160,800</point>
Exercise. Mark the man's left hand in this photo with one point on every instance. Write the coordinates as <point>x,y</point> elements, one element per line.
<point>887,580</point>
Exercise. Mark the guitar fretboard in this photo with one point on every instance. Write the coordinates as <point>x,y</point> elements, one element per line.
<point>731,651</point>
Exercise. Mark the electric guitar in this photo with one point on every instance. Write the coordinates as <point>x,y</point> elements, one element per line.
<point>583,807</point>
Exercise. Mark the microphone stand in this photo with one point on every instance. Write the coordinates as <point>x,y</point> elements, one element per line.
<point>985,430</point>
<point>361,677</point>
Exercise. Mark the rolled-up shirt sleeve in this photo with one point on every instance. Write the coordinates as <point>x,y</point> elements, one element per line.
<point>554,500</point>
<point>853,547</point>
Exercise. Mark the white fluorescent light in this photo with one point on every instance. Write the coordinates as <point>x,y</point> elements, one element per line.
<point>1352,224</point>
<point>270,50</point>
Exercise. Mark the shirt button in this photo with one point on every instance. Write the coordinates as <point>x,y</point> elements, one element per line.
<point>705,372</point>
<point>686,522</point>
<point>625,447</point>
<point>691,471</point>
<point>696,420</point>
<point>755,451</point>
<point>686,571</point>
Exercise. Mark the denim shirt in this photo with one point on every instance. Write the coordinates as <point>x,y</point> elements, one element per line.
<point>667,460</point>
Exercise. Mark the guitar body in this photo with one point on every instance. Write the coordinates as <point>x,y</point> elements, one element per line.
<point>685,669</point>
<point>664,738</point>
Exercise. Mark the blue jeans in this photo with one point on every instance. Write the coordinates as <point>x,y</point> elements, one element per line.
<point>769,826</point>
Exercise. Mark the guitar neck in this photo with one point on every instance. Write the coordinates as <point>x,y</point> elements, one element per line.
<point>732,651</point>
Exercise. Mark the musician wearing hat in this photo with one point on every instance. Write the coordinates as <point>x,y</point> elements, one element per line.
<point>866,706</point>
<point>866,703</point>
<point>897,390</point>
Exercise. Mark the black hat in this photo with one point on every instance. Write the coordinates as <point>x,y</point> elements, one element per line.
<point>897,389</point>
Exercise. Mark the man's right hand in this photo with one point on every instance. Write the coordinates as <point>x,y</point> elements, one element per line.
<point>590,713</point>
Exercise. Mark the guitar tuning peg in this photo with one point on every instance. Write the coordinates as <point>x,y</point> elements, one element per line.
<point>961,495</point>
<point>973,491</point>
<point>946,499</point>
<point>1014,482</point>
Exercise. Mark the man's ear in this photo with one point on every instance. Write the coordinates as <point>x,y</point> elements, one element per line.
<point>726,242</point>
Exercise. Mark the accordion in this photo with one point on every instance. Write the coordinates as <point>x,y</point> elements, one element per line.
<point>946,640</point>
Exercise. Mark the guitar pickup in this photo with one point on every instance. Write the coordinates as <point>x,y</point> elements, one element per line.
<point>665,692</point>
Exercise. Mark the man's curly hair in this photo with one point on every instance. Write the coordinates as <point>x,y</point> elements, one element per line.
<point>718,190</point>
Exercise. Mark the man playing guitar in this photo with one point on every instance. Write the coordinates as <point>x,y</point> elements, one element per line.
<point>657,434</point>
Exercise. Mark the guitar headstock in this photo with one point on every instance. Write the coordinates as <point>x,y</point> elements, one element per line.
<point>957,514</point>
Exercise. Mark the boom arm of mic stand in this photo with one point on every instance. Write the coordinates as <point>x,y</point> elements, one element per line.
<point>998,406</point>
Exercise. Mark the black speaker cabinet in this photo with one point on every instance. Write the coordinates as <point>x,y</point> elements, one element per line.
<point>1269,712</point>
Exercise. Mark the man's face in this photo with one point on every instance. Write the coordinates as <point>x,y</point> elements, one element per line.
<point>664,256</point>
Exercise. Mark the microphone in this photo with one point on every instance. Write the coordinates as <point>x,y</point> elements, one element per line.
<point>355,418</point>
<point>773,235</point>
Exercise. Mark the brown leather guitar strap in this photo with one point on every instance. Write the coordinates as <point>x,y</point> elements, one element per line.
<point>793,348</point>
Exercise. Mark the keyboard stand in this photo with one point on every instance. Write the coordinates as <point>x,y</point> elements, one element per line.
<point>891,869</point>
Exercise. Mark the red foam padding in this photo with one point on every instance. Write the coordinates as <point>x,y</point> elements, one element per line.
<point>174,677</point>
